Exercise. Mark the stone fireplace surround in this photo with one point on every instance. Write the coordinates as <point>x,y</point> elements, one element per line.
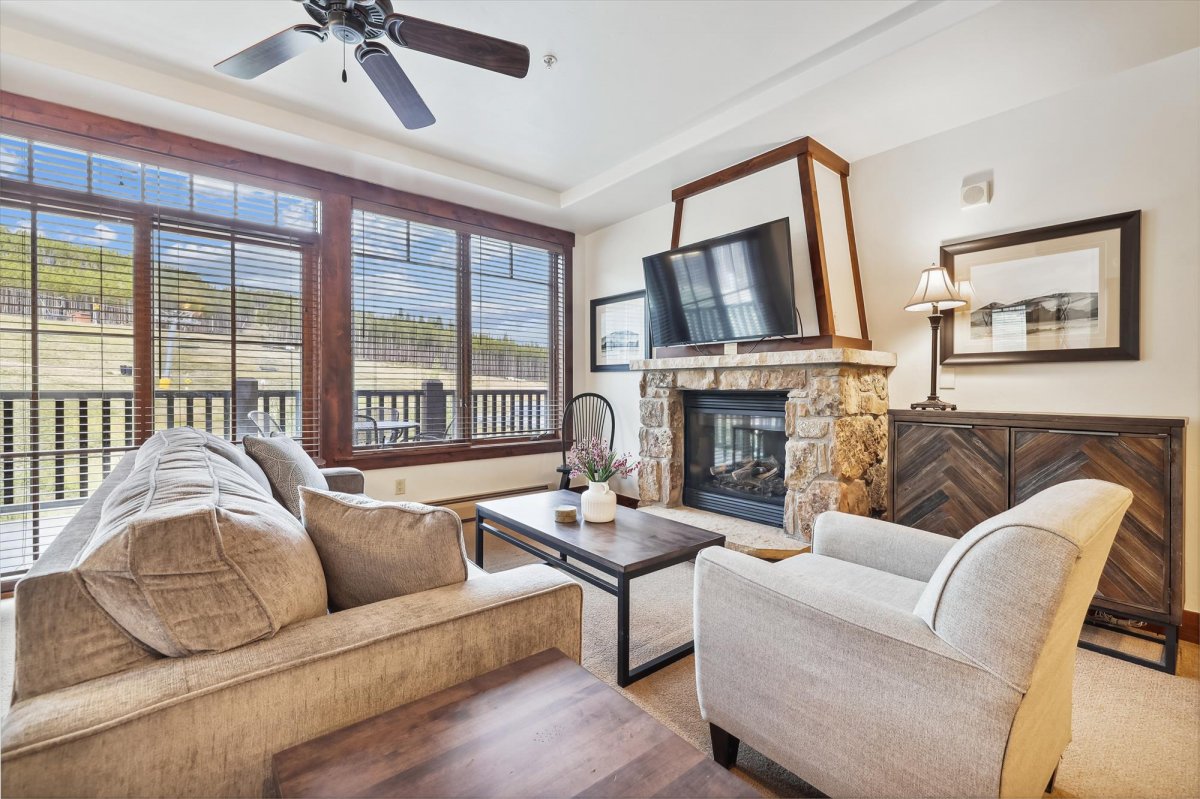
<point>836,425</point>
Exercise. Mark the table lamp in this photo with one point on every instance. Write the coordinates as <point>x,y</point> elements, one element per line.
<point>935,293</point>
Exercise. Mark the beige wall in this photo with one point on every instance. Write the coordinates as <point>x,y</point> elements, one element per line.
<point>1127,142</point>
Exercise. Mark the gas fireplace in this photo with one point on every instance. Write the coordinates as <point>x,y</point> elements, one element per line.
<point>734,453</point>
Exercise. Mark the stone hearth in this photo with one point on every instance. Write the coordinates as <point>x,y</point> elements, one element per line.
<point>836,425</point>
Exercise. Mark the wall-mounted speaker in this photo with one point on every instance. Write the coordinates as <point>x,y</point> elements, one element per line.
<point>977,190</point>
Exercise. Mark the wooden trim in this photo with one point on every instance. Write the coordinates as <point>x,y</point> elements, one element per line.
<point>1128,345</point>
<point>452,453</point>
<point>464,413</point>
<point>823,155</point>
<point>858,291</point>
<point>677,225</point>
<point>816,245</point>
<point>310,342</point>
<point>132,136</point>
<point>568,329</point>
<point>1190,631</point>
<point>337,391</point>
<point>780,155</point>
<point>143,329</point>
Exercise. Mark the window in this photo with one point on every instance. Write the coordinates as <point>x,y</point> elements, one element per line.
<point>66,366</point>
<point>229,332</point>
<point>224,291</point>
<point>458,337</point>
<point>140,290</point>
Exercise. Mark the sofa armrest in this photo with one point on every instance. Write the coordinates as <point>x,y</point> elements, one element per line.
<point>822,679</point>
<point>346,479</point>
<point>173,719</point>
<point>881,545</point>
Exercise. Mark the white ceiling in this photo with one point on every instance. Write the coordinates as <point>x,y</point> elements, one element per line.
<point>645,95</point>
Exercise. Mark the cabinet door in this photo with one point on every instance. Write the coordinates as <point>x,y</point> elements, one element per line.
<point>1137,575</point>
<point>949,477</point>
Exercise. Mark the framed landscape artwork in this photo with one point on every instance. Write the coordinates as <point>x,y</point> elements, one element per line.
<point>1062,293</point>
<point>620,331</point>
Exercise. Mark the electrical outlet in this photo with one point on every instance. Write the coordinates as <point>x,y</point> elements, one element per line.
<point>947,379</point>
<point>400,486</point>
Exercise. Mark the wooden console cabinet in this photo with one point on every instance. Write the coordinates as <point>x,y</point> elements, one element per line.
<point>948,471</point>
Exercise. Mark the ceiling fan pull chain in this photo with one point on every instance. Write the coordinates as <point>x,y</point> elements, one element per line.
<point>344,80</point>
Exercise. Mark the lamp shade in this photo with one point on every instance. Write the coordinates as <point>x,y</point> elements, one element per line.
<point>935,292</point>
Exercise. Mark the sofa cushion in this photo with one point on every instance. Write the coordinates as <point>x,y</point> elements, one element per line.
<point>287,466</point>
<point>236,456</point>
<point>374,550</point>
<point>190,554</point>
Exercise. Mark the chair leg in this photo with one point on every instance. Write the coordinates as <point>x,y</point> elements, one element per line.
<point>724,746</point>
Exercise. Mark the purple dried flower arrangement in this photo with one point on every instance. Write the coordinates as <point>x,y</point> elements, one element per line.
<point>592,458</point>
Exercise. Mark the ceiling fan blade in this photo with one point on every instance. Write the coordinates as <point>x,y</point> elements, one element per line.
<point>385,72</point>
<point>475,49</point>
<point>272,51</point>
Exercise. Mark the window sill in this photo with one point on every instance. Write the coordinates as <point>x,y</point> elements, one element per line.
<point>453,453</point>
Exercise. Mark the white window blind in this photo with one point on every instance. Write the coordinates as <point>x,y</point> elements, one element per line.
<point>228,295</point>
<point>458,337</point>
<point>229,332</point>
<point>56,166</point>
<point>66,366</point>
<point>516,308</point>
<point>405,331</point>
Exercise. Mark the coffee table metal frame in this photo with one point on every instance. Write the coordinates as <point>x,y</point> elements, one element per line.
<point>486,520</point>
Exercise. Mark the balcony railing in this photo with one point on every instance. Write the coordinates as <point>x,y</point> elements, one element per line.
<point>55,450</point>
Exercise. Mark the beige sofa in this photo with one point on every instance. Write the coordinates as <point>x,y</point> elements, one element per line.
<point>97,713</point>
<point>895,662</point>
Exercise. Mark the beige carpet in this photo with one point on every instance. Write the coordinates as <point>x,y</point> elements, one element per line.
<point>1137,731</point>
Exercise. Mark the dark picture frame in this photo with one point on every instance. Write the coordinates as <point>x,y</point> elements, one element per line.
<point>1127,344</point>
<point>600,341</point>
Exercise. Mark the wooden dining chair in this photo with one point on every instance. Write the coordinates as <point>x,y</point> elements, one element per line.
<point>586,416</point>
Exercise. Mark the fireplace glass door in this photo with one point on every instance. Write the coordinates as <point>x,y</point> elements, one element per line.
<point>734,453</point>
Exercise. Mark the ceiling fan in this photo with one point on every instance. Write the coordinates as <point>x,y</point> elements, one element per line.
<point>360,22</point>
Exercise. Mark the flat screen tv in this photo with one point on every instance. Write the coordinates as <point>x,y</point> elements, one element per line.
<point>734,287</point>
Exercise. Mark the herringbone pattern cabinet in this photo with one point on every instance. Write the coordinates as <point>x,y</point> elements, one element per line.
<point>951,470</point>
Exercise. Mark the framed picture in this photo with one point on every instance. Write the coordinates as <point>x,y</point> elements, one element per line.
<point>620,331</point>
<point>1062,293</point>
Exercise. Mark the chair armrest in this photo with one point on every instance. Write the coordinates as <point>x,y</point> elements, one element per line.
<point>345,479</point>
<point>822,679</point>
<point>173,719</point>
<point>880,545</point>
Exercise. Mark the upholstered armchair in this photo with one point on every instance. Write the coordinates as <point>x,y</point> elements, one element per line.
<point>896,662</point>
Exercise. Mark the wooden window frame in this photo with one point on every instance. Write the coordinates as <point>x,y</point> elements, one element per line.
<point>340,451</point>
<point>33,118</point>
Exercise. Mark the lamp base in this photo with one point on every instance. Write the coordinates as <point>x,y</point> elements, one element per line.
<point>933,404</point>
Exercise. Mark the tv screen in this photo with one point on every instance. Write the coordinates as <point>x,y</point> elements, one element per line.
<point>731,288</point>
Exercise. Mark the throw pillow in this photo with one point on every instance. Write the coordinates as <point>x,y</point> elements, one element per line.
<point>287,466</point>
<point>373,550</point>
<point>191,555</point>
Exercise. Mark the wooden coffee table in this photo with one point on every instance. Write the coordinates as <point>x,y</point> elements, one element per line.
<point>632,545</point>
<point>540,727</point>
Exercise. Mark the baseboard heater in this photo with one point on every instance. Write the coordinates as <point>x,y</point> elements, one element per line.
<point>471,499</point>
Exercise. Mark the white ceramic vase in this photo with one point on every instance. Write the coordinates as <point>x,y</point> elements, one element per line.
<point>599,503</point>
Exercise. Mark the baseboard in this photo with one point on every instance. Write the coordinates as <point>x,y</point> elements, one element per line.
<point>1190,631</point>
